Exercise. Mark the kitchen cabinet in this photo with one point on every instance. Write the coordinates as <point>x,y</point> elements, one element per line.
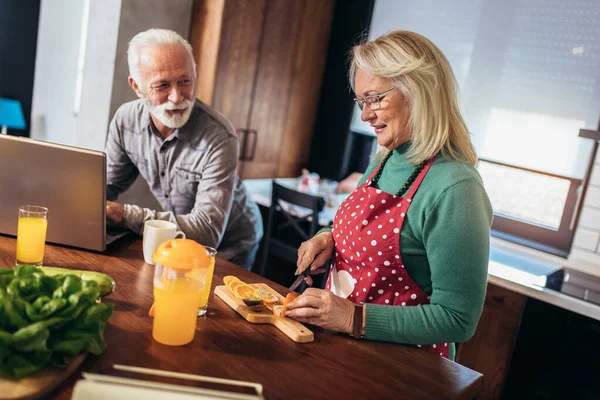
<point>261,64</point>
<point>490,349</point>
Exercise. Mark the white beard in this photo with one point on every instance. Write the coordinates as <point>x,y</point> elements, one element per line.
<point>173,121</point>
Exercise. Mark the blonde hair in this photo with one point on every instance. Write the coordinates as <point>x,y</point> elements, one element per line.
<point>150,38</point>
<point>424,76</point>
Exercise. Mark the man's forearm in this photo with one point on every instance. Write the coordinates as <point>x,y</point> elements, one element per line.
<point>192,225</point>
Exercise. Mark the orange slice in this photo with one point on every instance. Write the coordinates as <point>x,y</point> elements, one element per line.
<point>229,279</point>
<point>290,296</point>
<point>278,311</point>
<point>233,285</point>
<point>267,297</point>
<point>244,291</point>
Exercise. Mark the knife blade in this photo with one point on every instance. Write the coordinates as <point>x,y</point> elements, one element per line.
<point>299,280</point>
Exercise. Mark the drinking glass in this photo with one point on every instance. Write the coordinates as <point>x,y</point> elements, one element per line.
<point>212,253</point>
<point>31,234</point>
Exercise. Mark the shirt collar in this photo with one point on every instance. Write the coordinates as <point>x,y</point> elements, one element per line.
<point>403,148</point>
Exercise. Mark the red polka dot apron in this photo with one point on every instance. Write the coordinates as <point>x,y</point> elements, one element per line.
<point>367,266</point>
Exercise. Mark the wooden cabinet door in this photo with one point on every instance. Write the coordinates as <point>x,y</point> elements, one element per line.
<point>238,59</point>
<point>305,93</point>
<point>237,65</point>
<point>226,37</point>
<point>288,82</point>
<point>273,84</point>
<point>267,76</point>
<point>489,350</point>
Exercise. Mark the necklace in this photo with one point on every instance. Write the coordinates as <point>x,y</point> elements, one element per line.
<point>406,184</point>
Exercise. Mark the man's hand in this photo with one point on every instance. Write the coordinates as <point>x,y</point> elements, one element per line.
<point>114,212</point>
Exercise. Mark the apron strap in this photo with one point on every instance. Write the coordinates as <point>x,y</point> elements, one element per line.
<point>370,179</point>
<point>413,188</point>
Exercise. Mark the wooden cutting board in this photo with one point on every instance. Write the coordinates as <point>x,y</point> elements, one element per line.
<point>39,384</point>
<point>292,328</point>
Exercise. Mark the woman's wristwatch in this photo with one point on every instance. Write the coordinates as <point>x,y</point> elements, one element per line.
<point>357,327</point>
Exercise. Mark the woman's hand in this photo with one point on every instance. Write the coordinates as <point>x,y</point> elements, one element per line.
<point>314,253</point>
<point>322,308</point>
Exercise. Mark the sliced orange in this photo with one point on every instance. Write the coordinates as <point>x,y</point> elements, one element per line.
<point>290,296</point>
<point>267,298</point>
<point>244,291</point>
<point>230,278</point>
<point>233,285</point>
<point>278,311</point>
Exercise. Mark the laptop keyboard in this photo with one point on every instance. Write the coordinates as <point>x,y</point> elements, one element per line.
<point>114,232</point>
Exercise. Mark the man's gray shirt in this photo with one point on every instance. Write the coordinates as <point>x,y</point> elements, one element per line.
<point>192,173</point>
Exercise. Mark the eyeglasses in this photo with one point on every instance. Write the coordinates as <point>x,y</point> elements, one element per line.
<point>373,101</point>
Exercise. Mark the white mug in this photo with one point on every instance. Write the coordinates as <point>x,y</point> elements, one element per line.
<point>157,231</point>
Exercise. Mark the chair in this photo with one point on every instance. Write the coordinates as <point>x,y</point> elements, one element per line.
<point>288,225</point>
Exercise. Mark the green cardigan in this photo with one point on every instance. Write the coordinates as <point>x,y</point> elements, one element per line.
<point>445,244</point>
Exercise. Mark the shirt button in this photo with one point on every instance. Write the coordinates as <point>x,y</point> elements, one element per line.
<point>162,174</point>
<point>167,196</point>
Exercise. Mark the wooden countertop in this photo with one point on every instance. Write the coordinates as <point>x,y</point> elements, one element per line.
<point>226,346</point>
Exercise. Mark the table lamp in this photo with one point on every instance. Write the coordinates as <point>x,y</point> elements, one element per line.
<point>11,115</point>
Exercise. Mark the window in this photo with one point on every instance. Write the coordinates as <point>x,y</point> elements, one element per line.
<point>530,207</point>
<point>528,79</point>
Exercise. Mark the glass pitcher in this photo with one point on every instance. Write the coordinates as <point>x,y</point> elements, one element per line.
<point>179,280</point>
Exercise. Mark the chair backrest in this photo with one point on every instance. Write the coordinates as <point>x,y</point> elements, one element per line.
<point>315,203</point>
<point>288,225</point>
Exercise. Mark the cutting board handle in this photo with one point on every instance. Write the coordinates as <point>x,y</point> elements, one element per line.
<point>294,329</point>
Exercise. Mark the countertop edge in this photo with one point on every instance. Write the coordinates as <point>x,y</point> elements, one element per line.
<point>549,296</point>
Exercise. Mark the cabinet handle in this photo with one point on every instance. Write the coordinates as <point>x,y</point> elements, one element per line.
<point>243,134</point>
<point>254,133</point>
<point>498,299</point>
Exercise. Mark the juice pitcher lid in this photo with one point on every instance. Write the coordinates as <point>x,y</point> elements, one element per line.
<point>183,254</point>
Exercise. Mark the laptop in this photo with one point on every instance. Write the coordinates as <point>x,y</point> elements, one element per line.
<point>69,181</point>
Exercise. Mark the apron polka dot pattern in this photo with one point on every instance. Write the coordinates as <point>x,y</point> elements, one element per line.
<point>367,266</point>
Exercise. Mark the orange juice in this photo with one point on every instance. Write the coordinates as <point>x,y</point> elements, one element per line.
<point>31,239</point>
<point>207,282</point>
<point>175,306</point>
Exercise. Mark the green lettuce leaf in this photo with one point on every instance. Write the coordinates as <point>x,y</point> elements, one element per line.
<point>46,320</point>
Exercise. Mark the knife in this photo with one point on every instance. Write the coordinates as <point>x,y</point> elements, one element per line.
<point>299,280</point>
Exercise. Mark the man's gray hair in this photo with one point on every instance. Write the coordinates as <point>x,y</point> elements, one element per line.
<point>150,38</point>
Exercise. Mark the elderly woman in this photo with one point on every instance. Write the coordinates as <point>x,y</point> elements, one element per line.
<point>410,245</point>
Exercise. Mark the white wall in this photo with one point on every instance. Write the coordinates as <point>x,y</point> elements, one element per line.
<point>55,71</point>
<point>97,84</point>
<point>54,114</point>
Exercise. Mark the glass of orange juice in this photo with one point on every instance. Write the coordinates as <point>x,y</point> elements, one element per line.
<point>31,234</point>
<point>212,254</point>
<point>180,276</point>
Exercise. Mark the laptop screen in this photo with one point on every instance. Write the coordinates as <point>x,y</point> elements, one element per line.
<point>69,181</point>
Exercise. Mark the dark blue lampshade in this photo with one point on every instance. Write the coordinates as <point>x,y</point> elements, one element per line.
<point>11,114</point>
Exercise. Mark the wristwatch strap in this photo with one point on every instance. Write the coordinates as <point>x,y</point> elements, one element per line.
<point>358,321</point>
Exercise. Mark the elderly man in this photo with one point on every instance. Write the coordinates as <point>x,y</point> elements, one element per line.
<point>186,151</point>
